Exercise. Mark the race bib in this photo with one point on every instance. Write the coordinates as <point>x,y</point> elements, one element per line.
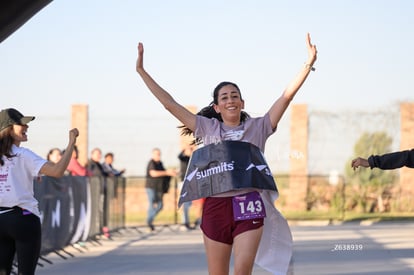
<point>248,206</point>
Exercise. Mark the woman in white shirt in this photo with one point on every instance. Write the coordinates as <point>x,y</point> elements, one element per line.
<point>20,227</point>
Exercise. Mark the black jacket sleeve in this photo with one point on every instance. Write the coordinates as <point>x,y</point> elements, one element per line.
<point>393,160</point>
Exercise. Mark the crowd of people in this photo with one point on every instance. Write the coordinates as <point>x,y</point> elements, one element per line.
<point>94,167</point>
<point>157,177</point>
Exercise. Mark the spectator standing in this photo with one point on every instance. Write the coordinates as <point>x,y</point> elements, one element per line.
<point>184,158</point>
<point>20,227</point>
<point>74,167</point>
<point>96,170</point>
<point>108,167</point>
<point>54,155</point>
<point>94,163</point>
<point>157,181</point>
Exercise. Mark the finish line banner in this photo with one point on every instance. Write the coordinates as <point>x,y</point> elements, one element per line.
<point>225,166</point>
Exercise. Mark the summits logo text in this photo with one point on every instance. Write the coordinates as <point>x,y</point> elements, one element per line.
<point>222,167</point>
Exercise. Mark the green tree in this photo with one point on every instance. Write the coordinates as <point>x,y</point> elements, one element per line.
<point>371,184</point>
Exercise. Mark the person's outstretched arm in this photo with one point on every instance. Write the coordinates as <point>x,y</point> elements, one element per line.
<point>177,110</point>
<point>58,169</point>
<point>387,161</point>
<point>281,104</point>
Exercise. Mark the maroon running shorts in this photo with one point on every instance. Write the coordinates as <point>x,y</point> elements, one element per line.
<point>218,223</point>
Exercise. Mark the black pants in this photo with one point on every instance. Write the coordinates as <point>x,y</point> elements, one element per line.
<point>20,231</point>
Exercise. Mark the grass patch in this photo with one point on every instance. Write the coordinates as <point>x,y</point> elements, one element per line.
<point>170,217</point>
<point>379,216</point>
<point>311,215</point>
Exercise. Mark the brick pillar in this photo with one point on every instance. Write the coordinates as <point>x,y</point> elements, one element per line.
<point>80,120</point>
<point>295,196</point>
<point>406,143</point>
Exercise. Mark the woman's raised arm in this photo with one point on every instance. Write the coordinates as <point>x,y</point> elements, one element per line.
<point>279,107</point>
<point>177,110</point>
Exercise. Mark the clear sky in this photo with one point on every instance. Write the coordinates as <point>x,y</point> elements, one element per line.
<point>85,51</point>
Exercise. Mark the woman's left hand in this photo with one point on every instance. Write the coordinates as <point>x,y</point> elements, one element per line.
<point>73,134</point>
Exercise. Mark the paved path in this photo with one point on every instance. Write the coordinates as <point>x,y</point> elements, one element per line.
<point>380,249</point>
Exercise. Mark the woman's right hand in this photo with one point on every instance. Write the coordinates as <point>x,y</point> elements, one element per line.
<point>139,65</point>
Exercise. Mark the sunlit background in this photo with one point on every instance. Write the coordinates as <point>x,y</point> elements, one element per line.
<point>84,52</point>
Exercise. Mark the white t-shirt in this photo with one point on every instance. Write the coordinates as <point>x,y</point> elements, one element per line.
<point>16,179</point>
<point>254,130</point>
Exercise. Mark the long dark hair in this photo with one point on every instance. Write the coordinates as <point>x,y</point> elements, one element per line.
<point>6,142</point>
<point>209,111</point>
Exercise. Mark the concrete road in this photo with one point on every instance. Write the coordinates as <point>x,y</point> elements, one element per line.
<point>380,249</point>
